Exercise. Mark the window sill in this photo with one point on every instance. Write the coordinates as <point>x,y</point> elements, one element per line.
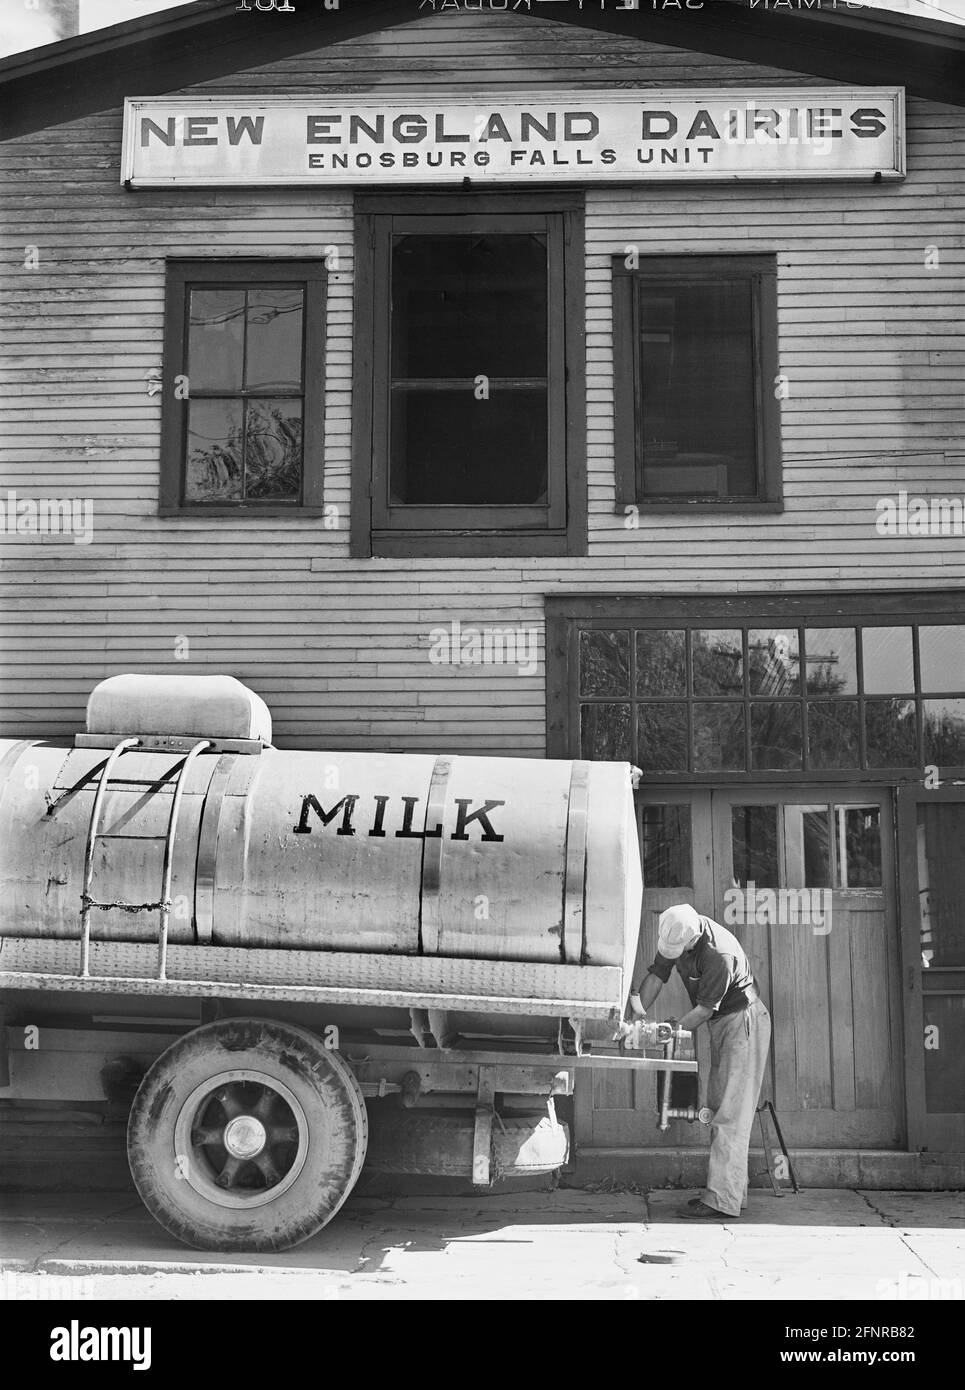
<point>436,545</point>
<point>243,513</point>
<point>742,505</point>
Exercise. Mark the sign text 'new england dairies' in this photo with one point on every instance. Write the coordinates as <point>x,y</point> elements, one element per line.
<point>781,133</point>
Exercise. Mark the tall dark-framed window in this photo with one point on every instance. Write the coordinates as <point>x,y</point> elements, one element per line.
<point>697,418</point>
<point>469,363</point>
<point>850,686</point>
<point>243,413</point>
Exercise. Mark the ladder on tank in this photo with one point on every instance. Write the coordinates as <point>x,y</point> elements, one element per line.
<point>163,905</point>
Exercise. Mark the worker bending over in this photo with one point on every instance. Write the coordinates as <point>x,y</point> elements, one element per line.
<point>723,993</point>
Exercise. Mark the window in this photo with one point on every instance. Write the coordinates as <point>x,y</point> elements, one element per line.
<point>800,846</point>
<point>467,414</point>
<point>695,361</point>
<point>243,408</point>
<point>666,846</point>
<point>661,684</point>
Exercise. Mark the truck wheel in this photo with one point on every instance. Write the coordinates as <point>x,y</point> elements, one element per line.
<point>441,1145</point>
<point>246,1134</point>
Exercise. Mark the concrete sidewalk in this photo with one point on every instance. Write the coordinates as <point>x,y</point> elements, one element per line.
<point>823,1244</point>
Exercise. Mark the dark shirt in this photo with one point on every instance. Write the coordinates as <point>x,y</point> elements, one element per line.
<point>715,971</point>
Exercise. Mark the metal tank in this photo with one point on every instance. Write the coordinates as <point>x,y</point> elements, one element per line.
<point>485,858</point>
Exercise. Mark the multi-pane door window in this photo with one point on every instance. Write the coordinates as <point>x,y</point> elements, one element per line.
<point>785,844</point>
<point>243,391</point>
<point>468,382</point>
<point>695,377</point>
<point>747,698</point>
<point>798,845</point>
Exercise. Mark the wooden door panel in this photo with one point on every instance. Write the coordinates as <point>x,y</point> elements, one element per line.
<point>875,1069</point>
<point>835,1065</point>
<point>809,1019</point>
<point>840,1129</point>
<point>931,834</point>
<point>835,1051</point>
<point>779,965</point>
<point>842,1004</point>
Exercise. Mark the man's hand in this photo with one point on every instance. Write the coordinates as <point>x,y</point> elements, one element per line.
<point>636,1008</point>
<point>698,1014</point>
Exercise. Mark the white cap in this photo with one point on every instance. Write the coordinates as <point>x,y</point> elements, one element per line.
<point>679,927</point>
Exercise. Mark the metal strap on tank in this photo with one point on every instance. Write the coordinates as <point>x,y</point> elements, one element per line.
<point>208,849</point>
<point>162,940</point>
<point>574,883</point>
<point>430,922</point>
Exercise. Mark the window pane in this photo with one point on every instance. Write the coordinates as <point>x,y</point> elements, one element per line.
<point>815,830</point>
<point>214,471</point>
<point>662,737</point>
<point>941,882</point>
<point>469,304</point>
<point>718,662</point>
<point>661,663</point>
<point>605,732</point>
<point>858,850</point>
<point>216,339</point>
<point>450,449</point>
<point>890,733</point>
<point>665,838</point>
<point>888,665</point>
<point>697,368</point>
<point>773,661</point>
<point>755,846</point>
<point>604,663</point>
<point>944,1041</point>
<point>718,737</point>
<point>776,735</point>
<point>274,350</point>
<point>833,735</point>
<point>273,457</point>
<point>942,651</point>
<point>944,728</point>
<point>832,667</point>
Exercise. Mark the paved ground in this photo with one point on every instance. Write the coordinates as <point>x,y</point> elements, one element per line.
<point>564,1244</point>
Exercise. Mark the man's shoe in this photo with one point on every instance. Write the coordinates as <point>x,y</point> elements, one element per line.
<point>698,1210</point>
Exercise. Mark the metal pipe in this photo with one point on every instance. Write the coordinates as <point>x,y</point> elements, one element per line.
<point>668,1052</point>
<point>681,1112</point>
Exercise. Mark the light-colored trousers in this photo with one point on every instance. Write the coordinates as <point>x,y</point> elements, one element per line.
<point>739,1045</point>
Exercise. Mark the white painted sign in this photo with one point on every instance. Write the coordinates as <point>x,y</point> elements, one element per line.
<point>667,135</point>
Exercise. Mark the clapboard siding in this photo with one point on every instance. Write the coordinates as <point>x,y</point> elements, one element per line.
<point>870,340</point>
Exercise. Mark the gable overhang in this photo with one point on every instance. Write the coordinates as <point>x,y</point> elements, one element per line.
<point>210,39</point>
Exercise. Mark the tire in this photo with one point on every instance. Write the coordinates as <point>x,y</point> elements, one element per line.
<point>441,1145</point>
<point>246,1134</point>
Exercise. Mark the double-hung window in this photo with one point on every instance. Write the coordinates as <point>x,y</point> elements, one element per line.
<point>243,404</point>
<point>696,381</point>
<point>468,378</point>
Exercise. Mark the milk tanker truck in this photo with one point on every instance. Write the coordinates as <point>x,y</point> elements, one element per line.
<point>306,961</point>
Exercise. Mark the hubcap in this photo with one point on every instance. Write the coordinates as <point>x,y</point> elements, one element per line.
<point>245,1136</point>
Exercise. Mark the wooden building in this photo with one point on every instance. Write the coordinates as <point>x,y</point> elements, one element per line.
<point>656,457</point>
